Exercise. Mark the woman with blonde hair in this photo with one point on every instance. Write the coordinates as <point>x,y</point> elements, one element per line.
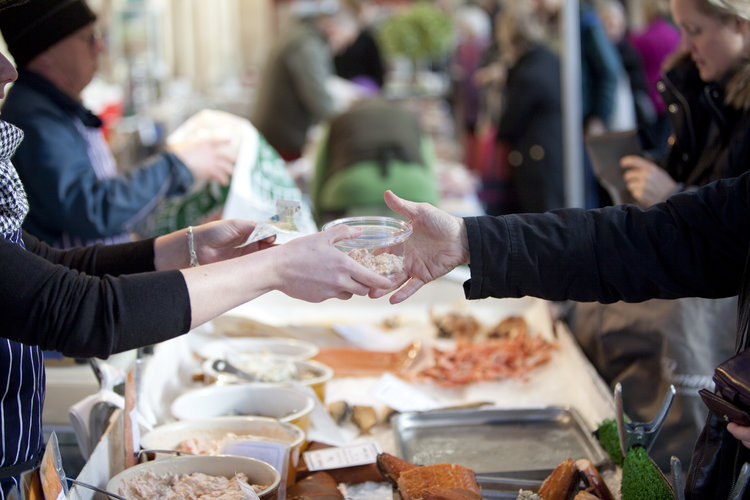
<point>706,87</point>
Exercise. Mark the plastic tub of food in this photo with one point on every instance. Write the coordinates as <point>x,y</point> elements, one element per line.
<point>380,247</point>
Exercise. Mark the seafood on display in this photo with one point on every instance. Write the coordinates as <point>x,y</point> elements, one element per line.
<point>492,359</point>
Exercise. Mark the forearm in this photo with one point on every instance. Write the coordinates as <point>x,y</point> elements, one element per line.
<point>219,287</point>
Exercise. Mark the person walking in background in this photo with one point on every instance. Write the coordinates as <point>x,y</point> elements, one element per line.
<point>642,113</point>
<point>294,93</point>
<point>530,129</point>
<point>361,60</point>
<point>474,35</point>
<point>375,145</point>
<point>600,70</point>
<point>77,193</point>
<point>655,43</point>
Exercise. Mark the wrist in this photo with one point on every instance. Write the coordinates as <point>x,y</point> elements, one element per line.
<point>463,242</point>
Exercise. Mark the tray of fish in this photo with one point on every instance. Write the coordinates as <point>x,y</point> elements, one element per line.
<point>498,444</point>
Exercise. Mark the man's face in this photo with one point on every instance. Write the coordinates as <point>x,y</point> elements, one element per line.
<point>78,57</point>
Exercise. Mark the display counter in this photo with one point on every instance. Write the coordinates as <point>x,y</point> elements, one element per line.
<point>565,383</point>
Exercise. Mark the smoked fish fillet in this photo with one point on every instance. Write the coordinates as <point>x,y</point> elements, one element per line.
<point>413,484</point>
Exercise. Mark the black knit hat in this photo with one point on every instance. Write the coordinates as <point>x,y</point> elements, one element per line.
<point>29,28</point>
<point>4,4</point>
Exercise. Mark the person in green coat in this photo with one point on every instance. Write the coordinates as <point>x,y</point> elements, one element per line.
<point>374,146</point>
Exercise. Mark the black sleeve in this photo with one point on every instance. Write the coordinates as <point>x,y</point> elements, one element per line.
<point>80,314</point>
<point>97,260</point>
<point>694,244</point>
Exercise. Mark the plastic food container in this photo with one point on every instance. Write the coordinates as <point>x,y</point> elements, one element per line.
<point>380,247</point>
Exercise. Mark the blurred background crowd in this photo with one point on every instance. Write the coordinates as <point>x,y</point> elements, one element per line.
<point>482,78</point>
<point>460,103</point>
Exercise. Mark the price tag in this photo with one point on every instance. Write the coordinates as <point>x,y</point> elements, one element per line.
<point>341,457</point>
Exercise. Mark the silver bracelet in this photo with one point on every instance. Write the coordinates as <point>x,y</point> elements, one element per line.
<point>191,248</point>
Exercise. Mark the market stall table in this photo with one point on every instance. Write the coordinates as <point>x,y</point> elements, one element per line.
<point>566,383</point>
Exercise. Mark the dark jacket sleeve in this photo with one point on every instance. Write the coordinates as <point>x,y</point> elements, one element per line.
<point>66,301</point>
<point>694,244</point>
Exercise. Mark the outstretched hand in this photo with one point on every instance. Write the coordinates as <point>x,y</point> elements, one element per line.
<point>221,240</point>
<point>437,245</point>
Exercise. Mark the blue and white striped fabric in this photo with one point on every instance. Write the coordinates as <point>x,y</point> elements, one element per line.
<point>22,377</point>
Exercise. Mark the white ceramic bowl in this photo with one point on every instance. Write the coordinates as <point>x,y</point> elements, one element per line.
<point>258,472</point>
<point>278,370</point>
<point>255,399</point>
<point>169,436</point>
<point>273,346</point>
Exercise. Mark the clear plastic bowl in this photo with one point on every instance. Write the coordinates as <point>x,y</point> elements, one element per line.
<point>380,247</point>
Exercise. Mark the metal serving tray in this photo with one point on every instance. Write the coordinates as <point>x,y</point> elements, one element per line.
<point>524,444</point>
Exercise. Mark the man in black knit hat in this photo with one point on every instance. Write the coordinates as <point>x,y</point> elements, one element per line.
<point>70,175</point>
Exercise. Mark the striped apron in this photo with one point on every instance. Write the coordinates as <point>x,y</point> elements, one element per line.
<point>22,376</point>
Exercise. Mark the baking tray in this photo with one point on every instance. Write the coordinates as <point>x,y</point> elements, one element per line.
<point>498,444</point>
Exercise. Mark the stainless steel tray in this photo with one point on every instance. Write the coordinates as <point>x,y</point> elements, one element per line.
<point>515,444</point>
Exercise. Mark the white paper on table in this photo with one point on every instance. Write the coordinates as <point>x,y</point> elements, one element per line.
<point>402,396</point>
<point>372,338</point>
<point>322,426</point>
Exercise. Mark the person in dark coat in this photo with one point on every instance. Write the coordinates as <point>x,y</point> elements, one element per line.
<point>615,22</point>
<point>361,61</point>
<point>530,128</point>
<point>655,43</point>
